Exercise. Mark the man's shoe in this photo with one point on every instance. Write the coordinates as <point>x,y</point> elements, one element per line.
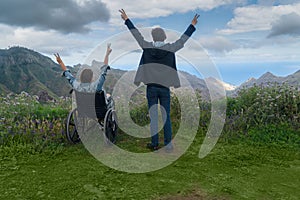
<point>169,148</point>
<point>151,147</point>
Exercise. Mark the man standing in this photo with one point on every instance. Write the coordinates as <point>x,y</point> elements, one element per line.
<point>157,69</point>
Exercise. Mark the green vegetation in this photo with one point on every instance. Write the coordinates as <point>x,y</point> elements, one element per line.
<point>24,119</point>
<point>257,156</point>
<point>266,115</point>
<point>229,172</point>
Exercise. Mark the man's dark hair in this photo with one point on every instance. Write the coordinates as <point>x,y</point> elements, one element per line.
<point>86,76</point>
<point>158,35</point>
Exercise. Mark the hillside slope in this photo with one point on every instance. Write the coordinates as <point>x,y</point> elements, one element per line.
<point>22,69</point>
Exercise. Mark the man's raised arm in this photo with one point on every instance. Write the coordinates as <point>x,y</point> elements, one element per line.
<point>185,36</point>
<point>134,31</point>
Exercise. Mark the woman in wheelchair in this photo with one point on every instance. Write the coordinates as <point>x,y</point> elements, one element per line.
<point>92,101</point>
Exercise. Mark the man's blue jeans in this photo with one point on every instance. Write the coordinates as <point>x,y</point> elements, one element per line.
<point>161,94</point>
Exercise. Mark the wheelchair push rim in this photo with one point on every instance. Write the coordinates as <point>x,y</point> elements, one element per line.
<point>71,131</point>
<point>110,126</point>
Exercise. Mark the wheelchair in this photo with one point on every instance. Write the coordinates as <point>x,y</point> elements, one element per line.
<point>92,106</point>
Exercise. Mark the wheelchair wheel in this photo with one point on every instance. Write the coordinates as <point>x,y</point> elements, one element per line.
<point>111,126</point>
<point>71,131</point>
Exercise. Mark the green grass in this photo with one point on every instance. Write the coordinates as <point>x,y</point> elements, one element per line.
<point>231,171</point>
<point>257,156</point>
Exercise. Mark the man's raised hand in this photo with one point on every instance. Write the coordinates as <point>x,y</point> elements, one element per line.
<point>195,19</point>
<point>123,14</point>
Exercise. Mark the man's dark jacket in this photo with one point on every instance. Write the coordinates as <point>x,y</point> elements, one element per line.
<point>158,64</point>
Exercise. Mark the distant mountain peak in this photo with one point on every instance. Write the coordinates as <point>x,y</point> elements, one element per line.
<point>97,63</point>
<point>268,75</point>
<point>268,79</point>
<point>22,69</point>
<point>251,80</point>
<point>22,56</point>
<point>226,86</point>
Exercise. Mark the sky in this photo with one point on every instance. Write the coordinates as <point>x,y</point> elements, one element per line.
<point>242,38</point>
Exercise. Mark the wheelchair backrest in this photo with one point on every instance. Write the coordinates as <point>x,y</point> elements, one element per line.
<point>91,105</point>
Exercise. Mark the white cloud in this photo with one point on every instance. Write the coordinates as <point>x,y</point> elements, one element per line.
<point>263,54</point>
<point>258,17</point>
<point>218,44</point>
<point>75,47</point>
<point>153,8</point>
<point>64,16</point>
<point>46,42</point>
<point>286,25</point>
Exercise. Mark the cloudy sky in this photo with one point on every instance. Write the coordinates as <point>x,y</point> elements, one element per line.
<point>244,38</point>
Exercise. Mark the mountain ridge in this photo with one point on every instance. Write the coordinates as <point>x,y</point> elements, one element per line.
<point>23,69</point>
<point>269,78</point>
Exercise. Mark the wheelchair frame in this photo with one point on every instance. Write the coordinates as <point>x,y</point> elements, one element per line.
<point>102,110</point>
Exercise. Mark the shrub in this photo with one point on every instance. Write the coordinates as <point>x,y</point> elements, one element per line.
<point>24,119</point>
<point>258,114</point>
<point>259,106</point>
